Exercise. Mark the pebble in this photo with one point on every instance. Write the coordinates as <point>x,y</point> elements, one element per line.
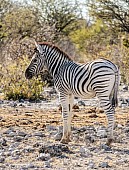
<point>18,138</point>
<point>29,149</point>
<point>85,152</point>
<point>3,142</point>
<point>105,147</point>
<point>47,164</point>
<point>39,134</point>
<point>44,156</point>
<point>9,131</point>
<point>91,165</point>
<point>58,136</point>
<point>104,165</point>
<point>101,132</point>
<point>11,134</point>
<point>2,159</point>
<point>119,126</point>
<point>30,166</point>
<point>23,134</point>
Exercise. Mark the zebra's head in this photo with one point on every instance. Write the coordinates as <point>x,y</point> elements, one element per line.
<point>37,62</point>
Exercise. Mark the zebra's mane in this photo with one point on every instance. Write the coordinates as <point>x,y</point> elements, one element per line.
<point>57,48</point>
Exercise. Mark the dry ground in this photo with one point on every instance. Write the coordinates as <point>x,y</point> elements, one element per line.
<point>31,121</point>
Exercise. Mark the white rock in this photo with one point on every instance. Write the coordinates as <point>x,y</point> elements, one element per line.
<point>44,156</point>
<point>11,134</point>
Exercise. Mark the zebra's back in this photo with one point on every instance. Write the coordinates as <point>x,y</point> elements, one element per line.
<point>89,79</point>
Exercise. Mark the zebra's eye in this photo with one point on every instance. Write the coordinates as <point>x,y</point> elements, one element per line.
<point>35,60</point>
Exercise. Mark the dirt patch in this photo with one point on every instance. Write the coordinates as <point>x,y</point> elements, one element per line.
<point>28,140</point>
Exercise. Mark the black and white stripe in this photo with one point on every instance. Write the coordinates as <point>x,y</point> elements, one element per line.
<point>97,78</point>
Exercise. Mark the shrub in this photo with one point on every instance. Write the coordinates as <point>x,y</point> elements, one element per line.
<point>14,84</point>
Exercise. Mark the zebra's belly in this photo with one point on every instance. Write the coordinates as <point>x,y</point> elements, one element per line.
<point>85,95</point>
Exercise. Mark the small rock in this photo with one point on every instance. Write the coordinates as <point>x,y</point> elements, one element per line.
<point>21,100</point>
<point>30,166</point>
<point>1,101</point>
<point>104,165</point>
<point>13,104</point>
<point>29,149</point>
<point>3,142</point>
<point>91,165</point>
<point>44,156</point>
<point>39,134</point>
<point>18,138</point>
<point>15,157</point>
<point>85,152</point>
<point>126,130</point>
<point>2,159</point>
<point>23,134</point>
<point>11,134</point>
<point>9,131</point>
<point>81,103</point>
<point>119,126</point>
<point>47,164</point>
<point>58,136</point>
<point>51,128</point>
<point>105,147</point>
<point>108,157</point>
<point>101,132</point>
<point>23,168</point>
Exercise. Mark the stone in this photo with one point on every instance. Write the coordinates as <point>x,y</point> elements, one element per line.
<point>81,103</point>
<point>23,134</point>
<point>105,147</point>
<point>21,100</point>
<point>29,149</point>
<point>119,126</point>
<point>101,132</point>
<point>39,134</point>
<point>30,166</point>
<point>1,102</point>
<point>104,165</point>
<point>18,138</point>
<point>85,152</point>
<point>3,142</point>
<point>11,134</point>
<point>44,156</point>
<point>91,165</point>
<point>9,131</point>
<point>58,136</point>
<point>2,159</point>
<point>47,164</point>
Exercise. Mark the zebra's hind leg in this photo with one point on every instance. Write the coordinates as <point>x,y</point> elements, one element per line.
<point>67,102</point>
<point>109,110</point>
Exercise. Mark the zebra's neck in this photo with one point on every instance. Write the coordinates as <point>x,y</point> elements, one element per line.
<point>55,61</point>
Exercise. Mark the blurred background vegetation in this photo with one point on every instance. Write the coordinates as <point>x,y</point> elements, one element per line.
<point>86,30</point>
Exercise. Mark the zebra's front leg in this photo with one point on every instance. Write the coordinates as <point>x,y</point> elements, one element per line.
<point>67,103</point>
<point>71,100</point>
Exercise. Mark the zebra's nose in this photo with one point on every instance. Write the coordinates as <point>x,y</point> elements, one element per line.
<point>28,74</point>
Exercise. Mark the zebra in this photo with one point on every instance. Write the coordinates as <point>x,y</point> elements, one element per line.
<point>98,78</point>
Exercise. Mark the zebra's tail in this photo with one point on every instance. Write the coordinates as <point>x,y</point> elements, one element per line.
<point>115,89</point>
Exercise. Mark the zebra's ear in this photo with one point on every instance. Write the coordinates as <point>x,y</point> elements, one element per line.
<point>38,46</point>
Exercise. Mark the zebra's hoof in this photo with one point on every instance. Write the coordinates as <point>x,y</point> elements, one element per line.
<point>109,141</point>
<point>65,141</point>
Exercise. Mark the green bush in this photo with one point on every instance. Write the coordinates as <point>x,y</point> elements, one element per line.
<point>14,84</point>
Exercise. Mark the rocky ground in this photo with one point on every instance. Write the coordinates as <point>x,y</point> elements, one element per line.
<point>28,138</point>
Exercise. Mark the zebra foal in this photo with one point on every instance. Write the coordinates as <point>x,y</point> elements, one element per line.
<point>97,78</point>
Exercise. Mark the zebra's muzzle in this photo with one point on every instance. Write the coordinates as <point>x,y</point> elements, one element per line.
<point>28,74</point>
